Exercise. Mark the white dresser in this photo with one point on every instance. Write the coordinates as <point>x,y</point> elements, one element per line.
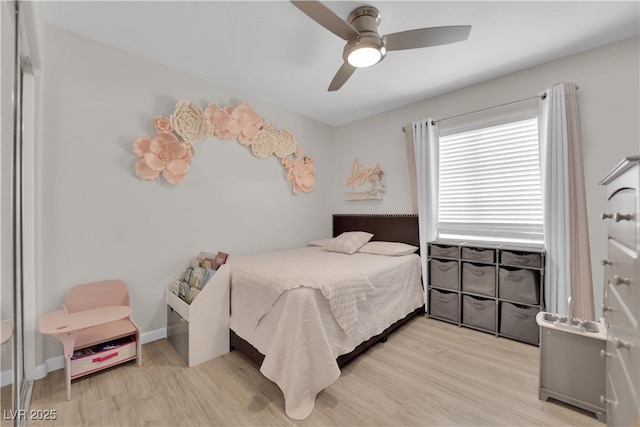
<point>621,308</point>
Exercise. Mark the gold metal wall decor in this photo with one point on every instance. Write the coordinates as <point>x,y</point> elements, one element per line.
<point>366,183</point>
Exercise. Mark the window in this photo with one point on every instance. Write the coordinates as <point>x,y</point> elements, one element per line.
<point>489,184</point>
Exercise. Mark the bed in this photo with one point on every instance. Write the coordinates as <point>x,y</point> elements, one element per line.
<point>300,335</point>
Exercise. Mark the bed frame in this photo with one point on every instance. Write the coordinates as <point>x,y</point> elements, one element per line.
<point>391,228</point>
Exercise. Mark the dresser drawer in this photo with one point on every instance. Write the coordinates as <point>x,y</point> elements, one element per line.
<point>625,408</point>
<point>625,351</point>
<point>623,203</point>
<point>519,322</point>
<point>444,251</point>
<point>618,313</point>
<point>622,410</point>
<point>479,279</point>
<point>521,259</point>
<point>479,312</point>
<point>519,285</point>
<point>479,254</point>
<point>444,305</point>
<point>621,274</point>
<point>86,364</point>
<point>444,274</point>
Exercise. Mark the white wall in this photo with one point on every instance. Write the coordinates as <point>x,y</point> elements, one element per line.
<point>100,221</point>
<point>609,95</point>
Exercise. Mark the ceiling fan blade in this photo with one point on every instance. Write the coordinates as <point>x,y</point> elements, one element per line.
<point>341,77</point>
<point>325,17</point>
<point>425,37</point>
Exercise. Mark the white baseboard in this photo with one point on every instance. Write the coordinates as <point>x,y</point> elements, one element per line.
<point>156,335</point>
<point>57,362</point>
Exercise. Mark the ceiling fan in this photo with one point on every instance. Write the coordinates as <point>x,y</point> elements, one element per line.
<point>365,47</point>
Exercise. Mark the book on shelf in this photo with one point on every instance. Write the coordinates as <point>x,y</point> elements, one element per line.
<point>175,287</point>
<point>207,260</point>
<point>208,274</point>
<point>197,278</point>
<point>196,275</point>
<point>183,290</point>
<point>193,293</point>
<point>187,274</point>
<point>221,258</point>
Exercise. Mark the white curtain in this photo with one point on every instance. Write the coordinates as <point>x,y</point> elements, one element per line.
<point>411,167</point>
<point>566,234</point>
<point>425,147</point>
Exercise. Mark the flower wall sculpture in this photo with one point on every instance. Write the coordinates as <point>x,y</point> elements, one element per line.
<point>187,121</point>
<point>162,153</point>
<point>167,155</point>
<point>301,173</point>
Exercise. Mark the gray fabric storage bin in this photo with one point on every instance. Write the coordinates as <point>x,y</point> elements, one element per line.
<point>521,259</point>
<point>479,312</point>
<point>479,254</point>
<point>479,279</point>
<point>444,274</point>
<point>519,322</point>
<point>445,251</point>
<point>443,304</point>
<point>519,286</point>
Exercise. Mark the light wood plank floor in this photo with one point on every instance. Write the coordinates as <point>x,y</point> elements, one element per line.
<point>6,404</point>
<point>429,373</point>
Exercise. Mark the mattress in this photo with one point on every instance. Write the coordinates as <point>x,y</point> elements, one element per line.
<point>299,334</point>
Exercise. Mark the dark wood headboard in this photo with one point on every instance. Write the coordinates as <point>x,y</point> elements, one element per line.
<point>391,228</point>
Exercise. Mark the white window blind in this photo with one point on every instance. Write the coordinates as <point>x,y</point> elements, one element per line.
<point>489,184</point>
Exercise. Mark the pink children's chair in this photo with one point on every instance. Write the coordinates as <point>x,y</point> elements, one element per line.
<point>91,304</point>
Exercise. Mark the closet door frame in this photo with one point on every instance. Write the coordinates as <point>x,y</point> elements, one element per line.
<point>23,213</point>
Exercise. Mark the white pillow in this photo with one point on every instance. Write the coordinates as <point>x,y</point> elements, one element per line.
<point>348,242</point>
<point>388,248</point>
<point>320,242</point>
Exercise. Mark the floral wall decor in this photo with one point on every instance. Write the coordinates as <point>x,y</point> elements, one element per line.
<point>371,177</point>
<point>170,152</point>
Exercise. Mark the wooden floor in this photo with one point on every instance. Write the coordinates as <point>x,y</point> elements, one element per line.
<point>6,404</point>
<point>428,373</point>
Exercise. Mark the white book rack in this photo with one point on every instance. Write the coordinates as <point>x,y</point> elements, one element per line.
<point>200,331</point>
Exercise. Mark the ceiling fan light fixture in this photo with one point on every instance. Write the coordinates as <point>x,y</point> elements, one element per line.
<point>365,47</point>
<point>364,51</point>
<point>364,57</point>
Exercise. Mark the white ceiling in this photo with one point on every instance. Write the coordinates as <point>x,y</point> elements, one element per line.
<point>271,51</point>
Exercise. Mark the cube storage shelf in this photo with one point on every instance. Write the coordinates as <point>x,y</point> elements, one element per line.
<point>200,331</point>
<point>494,288</point>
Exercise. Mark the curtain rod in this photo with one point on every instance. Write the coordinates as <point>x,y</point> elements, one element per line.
<point>543,96</point>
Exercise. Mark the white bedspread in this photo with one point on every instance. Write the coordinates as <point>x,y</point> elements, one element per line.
<point>268,275</point>
<point>300,335</point>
